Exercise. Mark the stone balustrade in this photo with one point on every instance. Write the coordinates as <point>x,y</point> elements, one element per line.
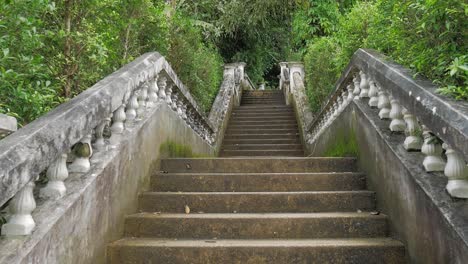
<point>429,121</point>
<point>66,139</point>
<point>293,86</point>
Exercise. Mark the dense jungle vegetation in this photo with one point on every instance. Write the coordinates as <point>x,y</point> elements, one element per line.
<point>53,50</point>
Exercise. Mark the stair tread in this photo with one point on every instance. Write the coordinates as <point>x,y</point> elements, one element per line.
<point>232,216</point>
<point>261,193</point>
<point>280,243</point>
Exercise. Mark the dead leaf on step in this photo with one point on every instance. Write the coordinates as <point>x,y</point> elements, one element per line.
<point>201,212</point>
<point>359,211</point>
<point>188,166</point>
<point>375,213</point>
<point>187,209</point>
<point>163,172</point>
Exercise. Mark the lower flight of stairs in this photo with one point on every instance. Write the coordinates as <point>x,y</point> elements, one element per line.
<point>257,210</point>
<point>262,126</point>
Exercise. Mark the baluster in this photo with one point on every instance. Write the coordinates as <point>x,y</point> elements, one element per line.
<point>350,93</point>
<point>142,96</point>
<point>175,99</point>
<point>118,120</point>
<point>152,94</point>
<point>433,151</point>
<point>21,206</point>
<point>184,111</point>
<point>344,100</point>
<point>83,151</point>
<point>373,94</point>
<point>356,90</point>
<point>100,143</point>
<point>364,85</point>
<point>132,106</point>
<point>162,83</point>
<point>179,108</point>
<point>397,124</point>
<point>56,173</point>
<point>168,94</point>
<point>413,132</point>
<point>457,173</point>
<point>383,105</point>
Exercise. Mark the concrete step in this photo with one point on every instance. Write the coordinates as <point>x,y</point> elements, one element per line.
<point>257,182</point>
<point>276,99</point>
<point>279,106</point>
<point>257,202</point>
<point>228,141</point>
<point>254,118</point>
<point>267,97</point>
<point>256,226</point>
<point>254,114</point>
<point>304,251</point>
<point>262,153</point>
<point>259,165</point>
<point>264,122</point>
<point>258,103</point>
<point>260,130</point>
<point>262,126</point>
<point>270,111</point>
<point>262,147</point>
<point>261,136</point>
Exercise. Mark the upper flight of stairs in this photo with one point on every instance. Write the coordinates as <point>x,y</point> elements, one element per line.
<point>257,210</point>
<point>262,126</point>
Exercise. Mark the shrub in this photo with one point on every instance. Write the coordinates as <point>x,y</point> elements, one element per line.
<point>321,71</point>
<point>198,65</point>
<point>428,37</point>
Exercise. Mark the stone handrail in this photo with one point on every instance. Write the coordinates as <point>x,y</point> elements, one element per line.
<point>293,86</point>
<point>414,107</point>
<point>251,84</point>
<point>229,95</point>
<point>83,124</point>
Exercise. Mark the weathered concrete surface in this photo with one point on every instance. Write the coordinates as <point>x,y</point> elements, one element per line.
<point>257,182</point>
<point>228,97</point>
<point>8,125</point>
<point>258,202</point>
<point>259,164</point>
<point>253,226</point>
<point>77,228</point>
<point>422,214</point>
<point>302,251</point>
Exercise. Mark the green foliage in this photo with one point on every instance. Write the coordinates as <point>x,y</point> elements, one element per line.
<point>252,31</point>
<point>321,70</point>
<point>343,146</point>
<point>426,36</point>
<point>199,65</point>
<point>52,51</point>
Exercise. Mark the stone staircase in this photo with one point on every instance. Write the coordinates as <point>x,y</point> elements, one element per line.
<point>262,126</point>
<point>258,209</point>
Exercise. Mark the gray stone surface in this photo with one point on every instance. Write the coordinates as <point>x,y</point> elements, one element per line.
<point>422,214</point>
<point>76,228</point>
<point>8,125</point>
<point>31,149</point>
<point>228,96</point>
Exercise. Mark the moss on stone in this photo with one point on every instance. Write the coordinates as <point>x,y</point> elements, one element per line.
<point>344,145</point>
<point>171,149</point>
